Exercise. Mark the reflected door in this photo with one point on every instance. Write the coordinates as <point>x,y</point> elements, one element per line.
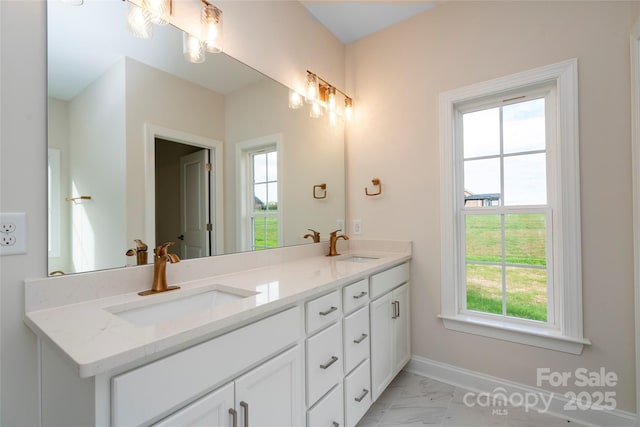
<point>194,235</point>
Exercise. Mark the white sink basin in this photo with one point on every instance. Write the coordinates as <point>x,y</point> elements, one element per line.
<point>181,303</point>
<point>358,258</point>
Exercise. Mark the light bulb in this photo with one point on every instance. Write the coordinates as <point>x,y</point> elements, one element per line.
<point>316,110</point>
<point>348,108</point>
<point>312,88</point>
<point>295,100</point>
<point>192,48</point>
<point>139,22</point>
<point>331,99</point>
<point>160,10</point>
<point>211,28</point>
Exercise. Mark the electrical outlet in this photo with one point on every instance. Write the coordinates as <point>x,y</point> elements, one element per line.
<point>356,226</point>
<point>13,233</point>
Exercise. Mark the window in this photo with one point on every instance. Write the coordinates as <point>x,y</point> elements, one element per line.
<point>510,209</point>
<point>260,201</point>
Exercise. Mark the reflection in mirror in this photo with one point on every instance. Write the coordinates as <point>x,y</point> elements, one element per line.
<point>206,155</point>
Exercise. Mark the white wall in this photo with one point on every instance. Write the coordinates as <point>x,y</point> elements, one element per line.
<point>258,33</point>
<point>396,76</point>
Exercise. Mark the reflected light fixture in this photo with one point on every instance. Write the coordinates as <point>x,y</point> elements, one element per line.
<point>316,110</point>
<point>211,27</point>
<point>331,99</point>
<point>348,108</point>
<point>192,48</point>
<point>139,22</point>
<point>295,100</point>
<point>160,10</point>
<point>312,90</point>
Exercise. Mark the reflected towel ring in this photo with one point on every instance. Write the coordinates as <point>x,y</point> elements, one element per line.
<point>322,187</point>
<point>376,182</point>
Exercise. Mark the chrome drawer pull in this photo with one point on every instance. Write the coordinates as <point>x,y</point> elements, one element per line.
<point>234,416</point>
<point>360,295</point>
<point>395,310</point>
<point>245,406</point>
<point>335,424</point>
<point>333,360</point>
<point>362,338</point>
<point>331,310</point>
<point>362,396</point>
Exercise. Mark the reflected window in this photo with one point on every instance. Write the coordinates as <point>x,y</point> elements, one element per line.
<point>264,213</point>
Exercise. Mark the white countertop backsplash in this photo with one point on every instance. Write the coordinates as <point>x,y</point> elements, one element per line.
<point>71,313</point>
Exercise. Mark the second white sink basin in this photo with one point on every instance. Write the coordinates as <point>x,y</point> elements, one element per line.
<point>357,258</point>
<point>145,313</point>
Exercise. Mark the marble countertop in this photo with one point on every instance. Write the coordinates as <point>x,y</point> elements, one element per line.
<point>96,339</point>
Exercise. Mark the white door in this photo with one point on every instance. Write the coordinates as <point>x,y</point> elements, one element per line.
<point>194,206</point>
<point>402,346</point>
<point>212,411</point>
<point>271,395</point>
<point>381,344</point>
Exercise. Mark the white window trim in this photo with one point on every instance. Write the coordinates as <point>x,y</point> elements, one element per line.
<point>242,178</point>
<point>568,336</point>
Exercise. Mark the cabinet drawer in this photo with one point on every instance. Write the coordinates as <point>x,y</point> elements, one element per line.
<point>356,338</point>
<point>329,411</point>
<point>322,311</point>
<point>382,283</point>
<point>324,362</point>
<point>357,394</point>
<point>355,295</point>
<point>176,379</point>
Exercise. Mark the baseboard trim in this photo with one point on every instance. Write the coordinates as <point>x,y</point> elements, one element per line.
<point>481,383</point>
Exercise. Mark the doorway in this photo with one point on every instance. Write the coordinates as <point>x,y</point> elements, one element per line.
<point>183,213</point>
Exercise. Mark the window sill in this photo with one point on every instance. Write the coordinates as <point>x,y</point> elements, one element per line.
<point>522,334</point>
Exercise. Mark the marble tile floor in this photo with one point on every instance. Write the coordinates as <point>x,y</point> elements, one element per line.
<point>413,400</point>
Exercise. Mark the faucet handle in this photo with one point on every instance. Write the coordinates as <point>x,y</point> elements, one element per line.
<point>335,232</point>
<point>163,249</point>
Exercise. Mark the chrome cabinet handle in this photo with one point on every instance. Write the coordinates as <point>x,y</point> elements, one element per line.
<point>333,360</point>
<point>398,307</point>
<point>395,310</point>
<point>331,310</point>
<point>362,395</point>
<point>245,407</point>
<point>360,295</point>
<point>362,338</point>
<point>234,416</point>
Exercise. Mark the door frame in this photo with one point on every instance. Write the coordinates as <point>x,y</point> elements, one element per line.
<point>635,150</point>
<point>151,132</point>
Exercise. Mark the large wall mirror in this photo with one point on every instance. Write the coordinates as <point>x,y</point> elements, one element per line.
<point>146,146</point>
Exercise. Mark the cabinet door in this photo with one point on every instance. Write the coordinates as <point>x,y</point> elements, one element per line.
<point>381,311</point>
<point>211,410</point>
<point>271,394</point>
<point>402,340</point>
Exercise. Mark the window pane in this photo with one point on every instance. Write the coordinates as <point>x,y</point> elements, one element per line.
<point>484,288</point>
<point>272,196</point>
<point>259,167</point>
<point>259,197</point>
<point>259,233</point>
<point>272,165</point>
<point>265,232</point>
<point>525,180</point>
<point>525,239</point>
<point>483,238</point>
<point>481,133</point>
<point>482,182</point>
<point>524,126</point>
<point>526,293</point>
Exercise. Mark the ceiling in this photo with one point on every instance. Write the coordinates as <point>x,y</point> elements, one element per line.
<point>352,20</point>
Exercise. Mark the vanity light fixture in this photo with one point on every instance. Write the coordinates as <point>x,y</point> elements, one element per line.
<point>139,21</point>
<point>211,27</point>
<point>322,95</point>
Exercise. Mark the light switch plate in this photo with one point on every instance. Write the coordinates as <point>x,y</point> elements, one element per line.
<point>13,233</point>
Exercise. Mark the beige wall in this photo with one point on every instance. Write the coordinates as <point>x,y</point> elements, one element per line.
<point>396,76</point>
<point>257,33</point>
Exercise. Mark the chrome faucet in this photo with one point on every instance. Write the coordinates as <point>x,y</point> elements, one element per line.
<point>333,238</point>
<point>315,236</point>
<point>162,256</point>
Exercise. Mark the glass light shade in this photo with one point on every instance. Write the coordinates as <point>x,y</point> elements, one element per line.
<point>348,108</point>
<point>192,48</point>
<point>295,100</point>
<point>139,22</point>
<point>331,100</point>
<point>160,10</point>
<point>316,110</point>
<point>312,89</point>
<point>211,28</point>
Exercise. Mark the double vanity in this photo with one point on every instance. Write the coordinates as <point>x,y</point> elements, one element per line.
<point>286,337</point>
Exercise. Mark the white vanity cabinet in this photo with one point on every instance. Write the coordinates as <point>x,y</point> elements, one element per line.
<point>390,339</point>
